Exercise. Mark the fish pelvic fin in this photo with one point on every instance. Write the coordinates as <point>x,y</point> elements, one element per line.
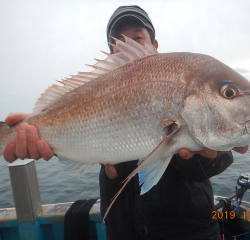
<point>77,168</point>
<point>129,51</point>
<point>150,169</point>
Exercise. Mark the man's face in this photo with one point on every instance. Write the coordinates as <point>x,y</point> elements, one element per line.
<point>135,32</point>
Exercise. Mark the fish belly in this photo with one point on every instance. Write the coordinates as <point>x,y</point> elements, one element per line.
<point>97,141</point>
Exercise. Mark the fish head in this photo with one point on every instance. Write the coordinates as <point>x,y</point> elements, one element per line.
<point>217,106</point>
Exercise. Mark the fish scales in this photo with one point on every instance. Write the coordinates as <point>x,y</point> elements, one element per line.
<point>111,120</point>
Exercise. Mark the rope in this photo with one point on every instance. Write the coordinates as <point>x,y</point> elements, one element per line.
<point>235,237</point>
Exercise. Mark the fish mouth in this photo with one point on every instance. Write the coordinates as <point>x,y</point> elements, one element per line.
<point>247,127</point>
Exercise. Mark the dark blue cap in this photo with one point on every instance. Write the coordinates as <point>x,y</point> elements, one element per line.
<point>127,14</point>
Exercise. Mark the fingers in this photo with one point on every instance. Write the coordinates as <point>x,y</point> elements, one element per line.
<point>9,152</point>
<point>205,152</point>
<point>32,139</point>
<point>208,153</point>
<point>185,153</point>
<point>27,144</point>
<point>16,117</point>
<point>241,150</point>
<point>111,171</point>
<point>21,142</point>
<point>44,150</point>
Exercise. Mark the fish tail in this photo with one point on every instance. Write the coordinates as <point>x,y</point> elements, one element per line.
<point>5,135</point>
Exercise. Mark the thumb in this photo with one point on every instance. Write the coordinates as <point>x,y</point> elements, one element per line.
<point>241,150</point>
<point>15,117</point>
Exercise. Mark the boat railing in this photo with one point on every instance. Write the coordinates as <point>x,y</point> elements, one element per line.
<point>32,220</point>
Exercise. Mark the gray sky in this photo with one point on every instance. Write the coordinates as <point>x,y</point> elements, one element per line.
<point>46,40</point>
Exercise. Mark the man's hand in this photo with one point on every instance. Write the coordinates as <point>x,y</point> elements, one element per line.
<point>26,144</point>
<point>110,171</point>
<point>208,153</point>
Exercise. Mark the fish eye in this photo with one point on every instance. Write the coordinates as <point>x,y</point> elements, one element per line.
<point>229,91</point>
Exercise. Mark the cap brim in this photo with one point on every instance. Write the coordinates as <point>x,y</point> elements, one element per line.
<point>123,20</point>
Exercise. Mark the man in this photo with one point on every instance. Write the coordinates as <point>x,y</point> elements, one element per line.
<point>180,205</point>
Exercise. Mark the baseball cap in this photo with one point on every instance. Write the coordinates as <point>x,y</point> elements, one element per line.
<point>124,14</point>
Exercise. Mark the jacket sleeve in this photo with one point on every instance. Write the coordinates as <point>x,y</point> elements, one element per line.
<point>200,168</point>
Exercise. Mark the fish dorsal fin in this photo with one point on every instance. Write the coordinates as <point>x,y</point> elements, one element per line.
<point>128,51</point>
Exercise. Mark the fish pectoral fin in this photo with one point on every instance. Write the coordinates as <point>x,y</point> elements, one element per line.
<point>166,122</point>
<point>76,167</point>
<point>155,162</point>
<point>151,175</point>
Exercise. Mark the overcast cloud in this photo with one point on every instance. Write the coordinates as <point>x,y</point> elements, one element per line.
<point>42,41</point>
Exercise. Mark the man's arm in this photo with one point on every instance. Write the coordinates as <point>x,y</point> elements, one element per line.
<point>184,154</point>
<point>208,153</point>
<point>200,168</point>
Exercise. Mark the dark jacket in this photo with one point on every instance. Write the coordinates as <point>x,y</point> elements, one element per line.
<point>178,207</point>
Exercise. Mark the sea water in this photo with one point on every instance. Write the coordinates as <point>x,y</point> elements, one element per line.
<point>58,185</point>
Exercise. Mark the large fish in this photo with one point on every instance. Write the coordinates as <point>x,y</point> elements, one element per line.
<point>139,104</point>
